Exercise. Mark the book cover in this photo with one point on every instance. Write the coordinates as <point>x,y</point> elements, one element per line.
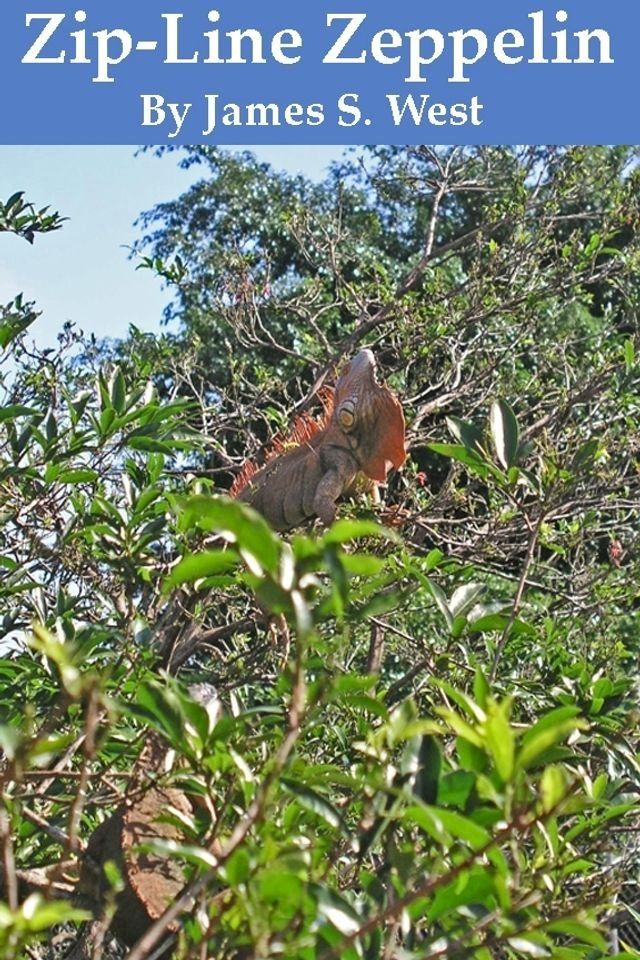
<point>319,480</point>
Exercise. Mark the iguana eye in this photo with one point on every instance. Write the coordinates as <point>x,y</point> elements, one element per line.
<point>346,417</point>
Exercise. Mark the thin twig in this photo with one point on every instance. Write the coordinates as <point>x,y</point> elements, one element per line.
<point>517,602</point>
<point>60,836</point>
<point>90,728</point>
<point>8,861</point>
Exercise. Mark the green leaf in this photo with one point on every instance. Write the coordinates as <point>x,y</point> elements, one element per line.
<point>462,828</point>
<point>465,433</point>
<point>464,597</point>
<point>481,690</point>
<point>585,455</point>
<point>83,475</point>
<point>551,729</point>
<point>362,564</point>
<point>237,868</point>
<point>599,786</point>
<point>40,915</point>
<point>462,455</point>
<point>593,246</point>
<point>461,727</point>
<point>433,559</point>
<point>278,885</point>
<point>441,602</point>
<point>117,390</point>
<point>629,355</point>
<point>553,787</point>
<point>505,432</point>
<point>579,931</point>
<point>338,580</point>
<point>500,741</point>
<point>428,819</point>
<point>529,946</point>
<point>336,909</point>
<point>381,603</point>
<point>198,566</point>
<point>198,856</point>
<point>14,410</point>
<point>361,702</point>
<point>13,201</point>
<point>428,765</point>
<point>345,531</point>
<point>147,444</point>
<point>107,417</point>
<point>60,654</point>
<point>497,622</point>
<point>11,330</point>
<point>472,709</point>
<point>238,523</point>
<point>472,888</point>
<point>455,788</point>
<point>616,812</point>
<point>50,425</point>
<point>161,704</point>
<point>10,741</point>
<point>313,801</point>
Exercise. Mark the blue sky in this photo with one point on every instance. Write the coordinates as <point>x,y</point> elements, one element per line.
<point>82,272</point>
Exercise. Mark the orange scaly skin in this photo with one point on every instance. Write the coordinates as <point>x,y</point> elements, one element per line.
<point>364,433</point>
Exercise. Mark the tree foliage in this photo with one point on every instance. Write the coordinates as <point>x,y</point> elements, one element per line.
<point>425,736</point>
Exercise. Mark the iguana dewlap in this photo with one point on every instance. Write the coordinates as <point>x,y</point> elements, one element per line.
<point>363,433</point>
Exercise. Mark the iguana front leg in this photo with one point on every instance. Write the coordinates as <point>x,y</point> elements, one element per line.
<point>329,490</point>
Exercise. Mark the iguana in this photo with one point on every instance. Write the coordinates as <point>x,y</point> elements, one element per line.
<point>362,432</point>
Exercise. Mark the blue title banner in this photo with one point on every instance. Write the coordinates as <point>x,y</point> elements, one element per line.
<point>188,71</point>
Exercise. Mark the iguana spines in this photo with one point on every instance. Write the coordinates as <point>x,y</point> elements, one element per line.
<point>304,428</point>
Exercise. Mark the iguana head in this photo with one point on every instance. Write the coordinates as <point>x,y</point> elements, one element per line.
<point>371,417</point>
